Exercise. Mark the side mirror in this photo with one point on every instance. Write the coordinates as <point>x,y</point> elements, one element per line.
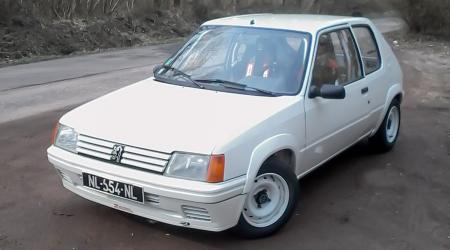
<point>327,91</point>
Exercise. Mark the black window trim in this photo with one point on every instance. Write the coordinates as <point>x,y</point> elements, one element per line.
<point>372,34</point>
<point>361,66</point>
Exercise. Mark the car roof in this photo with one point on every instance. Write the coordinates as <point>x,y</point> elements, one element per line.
<point>296,22</point>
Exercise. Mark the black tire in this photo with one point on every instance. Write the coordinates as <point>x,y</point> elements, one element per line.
<point>379,142</point>
<point>246,230</point>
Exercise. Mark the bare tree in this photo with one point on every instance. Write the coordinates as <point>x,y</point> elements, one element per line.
<point>64,9</point>
<point>91,5</point>
<point>109,6</point>
<point>130,6</point>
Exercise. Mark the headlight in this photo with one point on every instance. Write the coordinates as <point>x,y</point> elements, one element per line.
<point>196,167</point>
<point>66,138</point>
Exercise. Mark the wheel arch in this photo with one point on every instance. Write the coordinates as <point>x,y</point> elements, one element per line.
<point>283,147</point>
<point>394,92</point>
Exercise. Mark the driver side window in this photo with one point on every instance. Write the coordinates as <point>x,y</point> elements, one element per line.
<point>336,59</point>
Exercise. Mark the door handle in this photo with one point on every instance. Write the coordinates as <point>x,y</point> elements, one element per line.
<point>364,90</point>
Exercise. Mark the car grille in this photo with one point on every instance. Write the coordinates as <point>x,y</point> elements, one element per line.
<point>131,156</point>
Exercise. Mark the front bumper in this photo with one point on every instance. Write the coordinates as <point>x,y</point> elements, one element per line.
<point>206,206</point>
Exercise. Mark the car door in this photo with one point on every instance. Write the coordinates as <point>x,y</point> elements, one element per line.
<point>374,73</point>
<point>333,125</point>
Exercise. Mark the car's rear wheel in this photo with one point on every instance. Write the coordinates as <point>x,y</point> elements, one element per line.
<point>387,134</point>
<point>270,202</point>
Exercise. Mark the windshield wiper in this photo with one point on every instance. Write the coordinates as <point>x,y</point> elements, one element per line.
<point>235,85</point>
<point>177,72</point>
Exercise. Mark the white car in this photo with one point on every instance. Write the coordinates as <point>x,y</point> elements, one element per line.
<point>219,137</point>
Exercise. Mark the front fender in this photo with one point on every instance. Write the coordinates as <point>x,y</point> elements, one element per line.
<point>264,150</point>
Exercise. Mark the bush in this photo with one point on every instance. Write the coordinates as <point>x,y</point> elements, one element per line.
<point>429,17</point>
<point>8,8</point>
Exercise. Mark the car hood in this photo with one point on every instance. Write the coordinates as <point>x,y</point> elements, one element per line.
<point>168,118</point>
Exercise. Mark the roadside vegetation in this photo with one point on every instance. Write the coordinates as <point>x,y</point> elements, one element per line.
<point>39,28</point>
<point>430,17</point>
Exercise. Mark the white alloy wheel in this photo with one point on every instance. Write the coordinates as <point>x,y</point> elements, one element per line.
<point>267,200</point>
<point>392,124</point>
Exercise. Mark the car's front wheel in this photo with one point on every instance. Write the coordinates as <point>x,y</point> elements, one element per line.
<point>270,202</point>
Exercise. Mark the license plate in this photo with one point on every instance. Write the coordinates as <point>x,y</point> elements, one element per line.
<point>119,189</point>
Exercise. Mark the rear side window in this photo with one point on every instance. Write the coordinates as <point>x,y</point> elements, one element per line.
<point>369,49</point>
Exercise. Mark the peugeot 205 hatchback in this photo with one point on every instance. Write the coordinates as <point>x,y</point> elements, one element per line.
<point>219,137</point>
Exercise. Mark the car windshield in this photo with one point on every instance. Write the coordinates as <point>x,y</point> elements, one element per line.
<point>255,59</point>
